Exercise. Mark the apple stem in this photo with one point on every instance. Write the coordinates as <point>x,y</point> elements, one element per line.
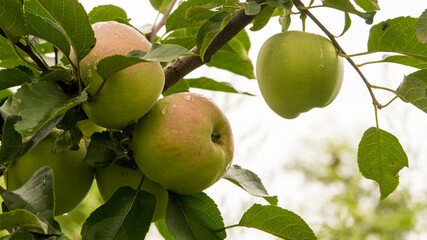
<point>159,25</point>
<point>140,183</point>
<point>215,137</point>
<point>304,10</point>
<point>183,65</point>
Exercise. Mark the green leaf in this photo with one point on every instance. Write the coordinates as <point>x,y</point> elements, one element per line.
<point>12,142</point>
<point>285,20</point>
<point>56,74</point>
<point>181,86</point>
<point>165,52</point>
<point>406,60</point>
<point>277,221</point>
<point>72,116</point>
<point>12,21</point>
<point>184,37</point>
<point>126,215</point>
<point>233,62</point>
<point>380,158</point>
<point>104,13</point>
<point>35,7</point>
<point>12,77</point>
<point>241,39</point>
<point>209,30</point>
<point>6,50</point>
<point>194,217</point>
<point>45,47</point>
<point>177,19</point>
<point>67,140</point>
<point>162,6</point>
<point>4,95</point>
<point>346,6</point>
<point>397,35</point>
<point>210,84</point>
<point>35,196</point>
<point>421,28</point>
<point>234,57</point>
<point>163,230</point>
<point>198,13</point>
<point>261,20</point>
<point>280,3</point>
<point>107,147</point>
<point>112,64</point>
<point>158,53</point>
<point>45,29</point>
<point>368,5</point>
<point>38,103</point>
<point>20,234</point>
<point>251,8</point>
<point>250,182</point>
<point>347,24</point>
<point>21,218</point>
<point>72,18</point>
<point>414,89</point>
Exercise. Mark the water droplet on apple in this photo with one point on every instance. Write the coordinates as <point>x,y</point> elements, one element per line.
<point>187,97</point>
<point>164,110</point>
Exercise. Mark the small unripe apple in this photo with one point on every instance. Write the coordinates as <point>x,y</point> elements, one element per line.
<point>114,176</point>
<point>128,94</point>
<point>298,71</point>
<point>184,143</point>
<point>72,177</point>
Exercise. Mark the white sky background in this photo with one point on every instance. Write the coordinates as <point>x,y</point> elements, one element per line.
<point>266,142</point>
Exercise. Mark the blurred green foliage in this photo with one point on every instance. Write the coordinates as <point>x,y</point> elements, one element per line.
<point>355,212</point>
<point>72,223</point>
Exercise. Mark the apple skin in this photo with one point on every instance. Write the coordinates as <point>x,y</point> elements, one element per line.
<point>72,177</point>
<point>128,94</point>
<point>114,176</point>
<point>184,143</point>
<point>298,71</point>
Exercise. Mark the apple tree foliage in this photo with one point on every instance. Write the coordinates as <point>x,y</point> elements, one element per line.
<point>35,42</point>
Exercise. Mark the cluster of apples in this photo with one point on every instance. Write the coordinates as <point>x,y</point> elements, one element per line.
<point>182,143</point>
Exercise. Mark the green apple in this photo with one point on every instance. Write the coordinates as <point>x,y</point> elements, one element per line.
<point>72,177</point>
<point>184,143</point>
<point>128,94</point>
<point>114,176</point>
<point>298,71</point>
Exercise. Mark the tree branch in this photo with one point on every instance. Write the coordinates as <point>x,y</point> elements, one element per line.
<point>160,24</point>
<point>29,52</point>
<point>304,10</point>
<point>183,65</point>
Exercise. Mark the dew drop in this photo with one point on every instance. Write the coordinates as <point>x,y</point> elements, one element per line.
<point>164,110</point>
<point>187,97</point>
